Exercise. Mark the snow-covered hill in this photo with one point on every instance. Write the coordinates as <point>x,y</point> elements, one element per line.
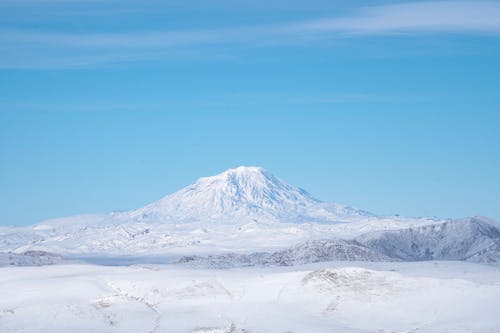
<point>29,258</point>
<point>305,253</point>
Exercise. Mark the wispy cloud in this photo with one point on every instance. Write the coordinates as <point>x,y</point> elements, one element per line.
<point>443,16</point>
<point>27,49</point>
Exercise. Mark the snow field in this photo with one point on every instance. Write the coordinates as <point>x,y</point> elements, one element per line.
<point>323,297</point>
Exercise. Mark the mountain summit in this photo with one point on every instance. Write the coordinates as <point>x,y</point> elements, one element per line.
<point>240,195</point>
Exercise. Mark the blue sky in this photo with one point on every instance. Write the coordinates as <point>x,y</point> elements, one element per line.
<point>393,107</point>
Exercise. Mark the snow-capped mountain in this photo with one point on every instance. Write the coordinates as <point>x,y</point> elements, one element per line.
<point>248,210</point>
<point>239,195</point>
<point>243,194</point>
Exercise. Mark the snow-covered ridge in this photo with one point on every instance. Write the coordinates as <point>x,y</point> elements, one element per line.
<point>473,239</point>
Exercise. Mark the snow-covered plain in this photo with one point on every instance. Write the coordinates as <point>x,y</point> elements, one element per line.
<point>243,251</point>
<point>325,297</point>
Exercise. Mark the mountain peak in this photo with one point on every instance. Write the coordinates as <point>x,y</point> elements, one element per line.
<point>256,186</point>
<point>245,193</point>
<point>246,170</point>
<point>248,173</point>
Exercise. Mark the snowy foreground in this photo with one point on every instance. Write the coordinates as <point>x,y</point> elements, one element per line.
<point>432,296</point>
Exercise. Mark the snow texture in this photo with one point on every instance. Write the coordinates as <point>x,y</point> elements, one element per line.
<point>340,297</point>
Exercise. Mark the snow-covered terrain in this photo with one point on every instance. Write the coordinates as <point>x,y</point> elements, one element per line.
<point>245,252</point>
<point>329,297</point>
<point>30,258</point>
<point>309,252</point>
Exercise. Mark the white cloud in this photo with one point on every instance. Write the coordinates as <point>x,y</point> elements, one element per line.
<point>443,16</point>
<point>36,49</point>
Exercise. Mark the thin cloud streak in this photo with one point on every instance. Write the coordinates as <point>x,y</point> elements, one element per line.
<point>23,49</point>
<point>443,16</point>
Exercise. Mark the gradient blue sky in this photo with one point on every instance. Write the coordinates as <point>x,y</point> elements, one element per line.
<point>393,107</point>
